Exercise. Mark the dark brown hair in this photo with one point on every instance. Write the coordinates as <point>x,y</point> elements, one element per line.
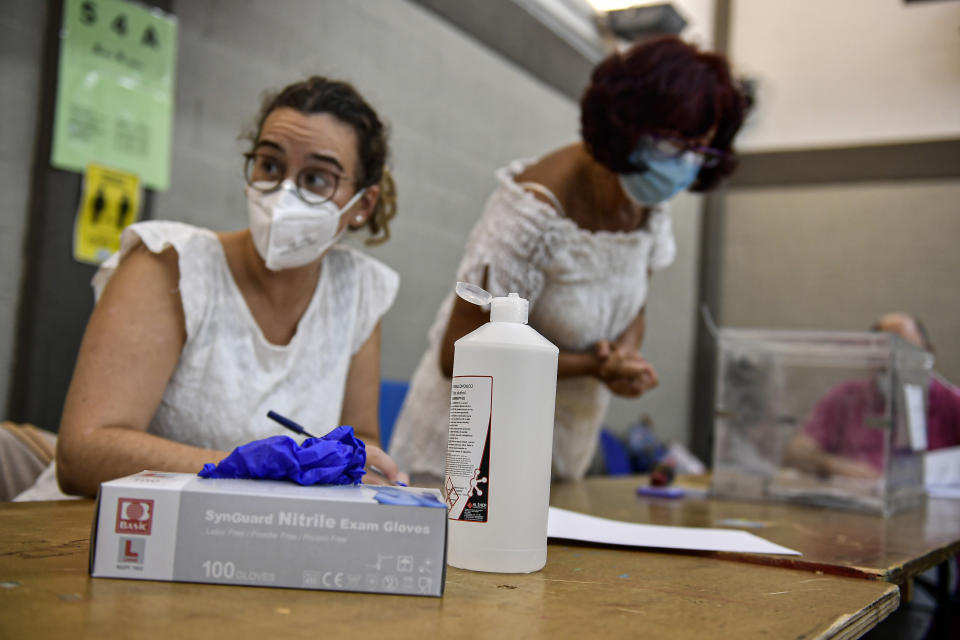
<point>662,84</point>
<point>340,99</point>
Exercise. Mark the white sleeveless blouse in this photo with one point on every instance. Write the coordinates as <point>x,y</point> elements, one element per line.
<point>229,375</point>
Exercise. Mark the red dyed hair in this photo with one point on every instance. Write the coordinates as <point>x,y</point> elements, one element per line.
<point>659,85</point>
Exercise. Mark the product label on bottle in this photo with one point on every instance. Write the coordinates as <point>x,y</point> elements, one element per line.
<point>467,487</point>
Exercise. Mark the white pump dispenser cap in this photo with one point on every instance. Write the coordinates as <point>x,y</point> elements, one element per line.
<point>513,308</point>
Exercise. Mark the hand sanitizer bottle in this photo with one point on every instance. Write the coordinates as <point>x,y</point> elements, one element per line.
<point>500,440</point>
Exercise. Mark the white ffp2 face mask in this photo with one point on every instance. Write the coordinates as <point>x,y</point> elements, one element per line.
<point>287,231</point>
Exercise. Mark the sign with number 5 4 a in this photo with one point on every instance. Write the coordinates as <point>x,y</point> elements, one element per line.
<point>115,89</point>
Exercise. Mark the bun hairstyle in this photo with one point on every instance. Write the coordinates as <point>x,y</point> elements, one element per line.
<point>383,213</point>
<point>340,99</point>
<point>658,85</point>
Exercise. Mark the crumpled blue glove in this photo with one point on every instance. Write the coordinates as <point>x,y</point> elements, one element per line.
<point>336,458</point>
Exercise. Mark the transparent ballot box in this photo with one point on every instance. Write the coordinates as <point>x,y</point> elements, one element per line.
<point>827,418</point>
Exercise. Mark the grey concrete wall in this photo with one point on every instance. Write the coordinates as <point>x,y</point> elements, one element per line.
<point>835,257</point>
<point>22,24</point>
<point>851,73</point>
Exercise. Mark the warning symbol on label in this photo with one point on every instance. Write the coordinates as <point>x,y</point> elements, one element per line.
<point>109,203</point>
<point>452,494</point>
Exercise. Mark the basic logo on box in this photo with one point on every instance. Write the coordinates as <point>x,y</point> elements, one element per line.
<point>134,516</point>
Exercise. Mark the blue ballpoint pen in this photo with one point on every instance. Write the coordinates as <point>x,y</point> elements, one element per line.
<point>296,428</point>
<point>289,424</point>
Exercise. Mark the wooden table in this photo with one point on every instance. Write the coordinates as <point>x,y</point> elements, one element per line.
<point>584,592</point>
<point>893,549</point>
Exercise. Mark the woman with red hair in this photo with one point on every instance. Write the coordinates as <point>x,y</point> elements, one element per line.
<point>577,233</point>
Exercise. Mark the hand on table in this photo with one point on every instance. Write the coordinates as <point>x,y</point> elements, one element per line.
<point>381,469</point>
<point>847,467</point>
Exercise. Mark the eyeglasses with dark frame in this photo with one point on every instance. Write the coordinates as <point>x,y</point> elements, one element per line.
<point>315,185</point>
<point>670,147</point>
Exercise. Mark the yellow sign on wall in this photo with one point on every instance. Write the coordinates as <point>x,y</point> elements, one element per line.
<point>109,203</point>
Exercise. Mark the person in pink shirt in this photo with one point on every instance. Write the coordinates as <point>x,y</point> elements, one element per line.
<point>835,440</point>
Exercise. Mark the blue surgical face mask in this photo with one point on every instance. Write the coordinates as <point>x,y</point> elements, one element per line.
<point>663,179</point>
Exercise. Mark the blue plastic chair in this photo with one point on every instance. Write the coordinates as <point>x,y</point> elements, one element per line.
<point>615,454</point>
<point>392,393</point>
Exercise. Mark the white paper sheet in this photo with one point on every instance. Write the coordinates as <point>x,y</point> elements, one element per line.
<point>570,525</point>
<point>950,491</point>
<point>942,473</point>
<point>942,467</point>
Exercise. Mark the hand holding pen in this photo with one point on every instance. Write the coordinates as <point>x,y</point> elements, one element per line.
<point>384,469</point>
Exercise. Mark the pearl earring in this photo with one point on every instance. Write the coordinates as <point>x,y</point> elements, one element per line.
<point>359,219</point>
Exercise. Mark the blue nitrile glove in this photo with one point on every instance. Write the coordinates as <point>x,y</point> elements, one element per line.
<point>406,497</point>
<point>336,458</point>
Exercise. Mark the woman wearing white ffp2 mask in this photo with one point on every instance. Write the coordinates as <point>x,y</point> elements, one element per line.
<point>289,232</point>
<point>199,334</point>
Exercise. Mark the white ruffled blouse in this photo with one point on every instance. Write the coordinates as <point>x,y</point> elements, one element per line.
<point>583,286</point>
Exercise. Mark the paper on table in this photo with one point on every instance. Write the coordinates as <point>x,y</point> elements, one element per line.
<point>942,467</point>
<point>570,525</point>
<point>942,473</point>
<point>951,491</point>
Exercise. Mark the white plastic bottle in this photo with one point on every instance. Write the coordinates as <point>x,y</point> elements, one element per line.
<point>500,440</point>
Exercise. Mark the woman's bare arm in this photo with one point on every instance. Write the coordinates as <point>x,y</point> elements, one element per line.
<point>129,351</point>
<point>361,397</point>
<point>361,403</point>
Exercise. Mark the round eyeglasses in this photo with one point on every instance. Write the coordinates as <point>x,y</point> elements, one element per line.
<point>669,148</point>
<point>265,173</point>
